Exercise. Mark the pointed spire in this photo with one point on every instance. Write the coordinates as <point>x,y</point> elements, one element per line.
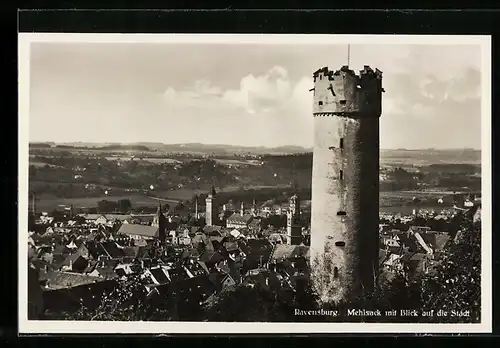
<point>212,191</point>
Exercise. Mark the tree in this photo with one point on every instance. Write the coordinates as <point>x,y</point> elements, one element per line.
<point>455,282</point>
<point>124,205</point>
<point>128,301</point>
<point>243,303</point>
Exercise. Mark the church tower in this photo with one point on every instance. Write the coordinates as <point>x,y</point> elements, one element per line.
<point>253,210</point>
<point>210,204</point>
<point>293,227</point>
<point>196,215</point>
<point>242,209</point>
<point>345,182</point>
<point>160,221</point>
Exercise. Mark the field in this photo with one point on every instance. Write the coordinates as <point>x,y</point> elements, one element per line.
<point>388,200</point>
<point>49,204</point>
<point>146,159</point>
<point>234,162</point>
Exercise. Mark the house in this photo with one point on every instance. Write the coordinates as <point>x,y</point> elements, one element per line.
<point>158,275</point>
<point>75,262</point>
<point>212,230</point>
<point>414,264</point>
<point>237,220</point>
<point>138,232</point>
<point>288,252</point>
<point>221,280</point>
<point>211,258</point>
<point>257,251</point>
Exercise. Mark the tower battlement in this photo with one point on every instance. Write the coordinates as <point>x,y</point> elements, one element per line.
<point>345,93</point>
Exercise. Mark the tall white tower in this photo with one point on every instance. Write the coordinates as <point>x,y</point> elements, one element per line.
<point>345,184</point>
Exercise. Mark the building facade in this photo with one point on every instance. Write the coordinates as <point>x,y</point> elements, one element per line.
<point>345,184</point>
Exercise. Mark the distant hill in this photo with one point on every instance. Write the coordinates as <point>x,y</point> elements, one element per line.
<point>181,148</point>
<point>413,156</point>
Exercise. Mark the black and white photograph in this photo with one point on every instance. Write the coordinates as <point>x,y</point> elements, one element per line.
<point>254,183</point>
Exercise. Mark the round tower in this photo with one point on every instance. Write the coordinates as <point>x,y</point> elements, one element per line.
<point>345,183</point>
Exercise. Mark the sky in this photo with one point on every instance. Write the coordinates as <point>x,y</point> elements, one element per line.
<point>244,94</point>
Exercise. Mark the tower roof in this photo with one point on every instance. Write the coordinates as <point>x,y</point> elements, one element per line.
<point>212,191</point>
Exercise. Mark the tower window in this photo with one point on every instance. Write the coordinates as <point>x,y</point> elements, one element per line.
<point>341,213</point>
<point>335,272</point>
<point>343,102</point>
<point>321,77</point>
<point>341,175</point>
<point>341,143</point>
<point>320,103</point>
<point>340,244</point>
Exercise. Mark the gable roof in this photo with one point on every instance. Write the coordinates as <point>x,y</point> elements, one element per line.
<point>112,250</point>
<point>139,230</point>
<point>237,218</point>
<point>72,258</point>
<point>212,229</point>
<point>210,257</point>
<point>407,241</point>
<point>159,275</point>
<point>413,257</point>
<point>63,280</point>
<point>285,251</point>
<point>119,217</point>
<point>132,251</point>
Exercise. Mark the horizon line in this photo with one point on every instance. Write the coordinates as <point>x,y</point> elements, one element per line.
<point>236,145</point>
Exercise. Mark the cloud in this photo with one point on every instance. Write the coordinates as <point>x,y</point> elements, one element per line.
<point>256,94</point>
<point>262,93</point>
<point>427,96</point>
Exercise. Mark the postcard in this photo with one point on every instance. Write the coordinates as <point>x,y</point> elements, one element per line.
<point>190,184</point>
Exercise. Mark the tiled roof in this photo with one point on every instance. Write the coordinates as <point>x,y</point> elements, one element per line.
<point>112,250</point>
<point>436,240</point>
<point>415,257</point>
<point>159,275</point>
<point>237,218</point>
<point>131,251</point>
<point>212,229</point>
<point>285,251</point>
<point>119,217</point>
<point>419,229</point>
<point>91,216</point>
<point>107,272</point>
<point>231,246</point>
<point>139,230</point>
<point>407,241</point>
<point>72,258</point>
<point>210,257</point>
<point>62,280</point>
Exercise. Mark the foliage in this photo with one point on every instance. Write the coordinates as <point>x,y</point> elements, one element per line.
<point>243,303</point>
<point>126,302</point>
<point>455,283</point>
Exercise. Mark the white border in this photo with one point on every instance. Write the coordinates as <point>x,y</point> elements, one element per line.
<point>30,326</point>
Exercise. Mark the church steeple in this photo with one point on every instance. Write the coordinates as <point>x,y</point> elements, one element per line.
<point>196,206</point>
<point>159,214</point>
<point>213,192</point>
